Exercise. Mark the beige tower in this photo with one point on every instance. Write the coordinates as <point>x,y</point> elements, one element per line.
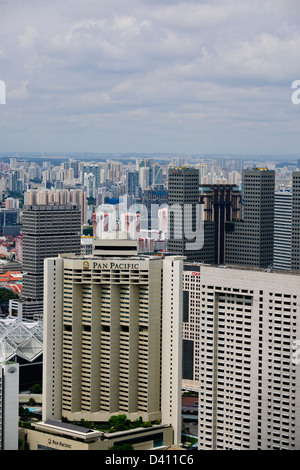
<point>112,338</point>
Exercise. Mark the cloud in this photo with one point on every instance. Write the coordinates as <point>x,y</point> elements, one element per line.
<point>20,92</point>
<point>28,37</point>
<point>160,69</point>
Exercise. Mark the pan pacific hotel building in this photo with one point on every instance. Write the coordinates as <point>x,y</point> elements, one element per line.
<point>112,337</point>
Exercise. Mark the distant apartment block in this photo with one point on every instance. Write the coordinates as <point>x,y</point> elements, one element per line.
<point>45,197</point>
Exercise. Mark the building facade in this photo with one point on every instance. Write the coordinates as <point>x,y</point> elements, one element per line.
<point>283,230</point>
<point>250,242</point>
<point>48,230</point>
<point>191,326</point>
<point>112,338</point>
<point>186,234</point>
<point>295,262</point>
<point>9,405</point>
<point>249,376</point>
<point>221,204</point>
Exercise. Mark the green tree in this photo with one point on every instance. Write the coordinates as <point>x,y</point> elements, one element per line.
<point>24,412</point>
<point>35,388</point>
<point>119,423</point>
<point>6,294</point>
<point>121,447</point>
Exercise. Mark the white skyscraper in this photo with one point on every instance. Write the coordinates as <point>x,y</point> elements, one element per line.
<point>282,230</point>
<point>249,387</point>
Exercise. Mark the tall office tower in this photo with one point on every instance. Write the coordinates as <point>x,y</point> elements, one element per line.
<point>249,390</point>
<point>9,405</point>
<point>295,264</point>
<point>282,230</point>
<point>221,204</point>
<point>250,241</point>
<point>185,218</point>
<point>48,231</point>
<point>112,338</point>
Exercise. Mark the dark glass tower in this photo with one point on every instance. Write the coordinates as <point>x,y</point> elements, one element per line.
<point>221,204</point>
<point>250,241</point>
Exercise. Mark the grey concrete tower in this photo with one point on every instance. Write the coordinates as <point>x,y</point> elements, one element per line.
<point>48,231</point>
<point>183,200</point>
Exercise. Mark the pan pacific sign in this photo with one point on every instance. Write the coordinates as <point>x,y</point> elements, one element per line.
<point>109,265</point>
<point>56,443</point>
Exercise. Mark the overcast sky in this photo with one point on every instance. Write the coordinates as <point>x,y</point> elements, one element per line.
<point>150,76</point>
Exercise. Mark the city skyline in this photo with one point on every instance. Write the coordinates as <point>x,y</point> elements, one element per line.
<point>149,225</point>
<point>101,301</point>
<point>170,77</point>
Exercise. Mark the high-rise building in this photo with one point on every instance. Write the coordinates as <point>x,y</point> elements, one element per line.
<point>250,241</point>
<point>131,182</point>
<point>8,218</point>
<point>185,235</point>
<point>238,164</point>
<point>282,230</point>
<point>221,204</point>
<point>144,177</point>
<point>203,171</point>
<point>191,316</point>
<point>112,338</point>
<point>241,330</point>
<point>48,231</point>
